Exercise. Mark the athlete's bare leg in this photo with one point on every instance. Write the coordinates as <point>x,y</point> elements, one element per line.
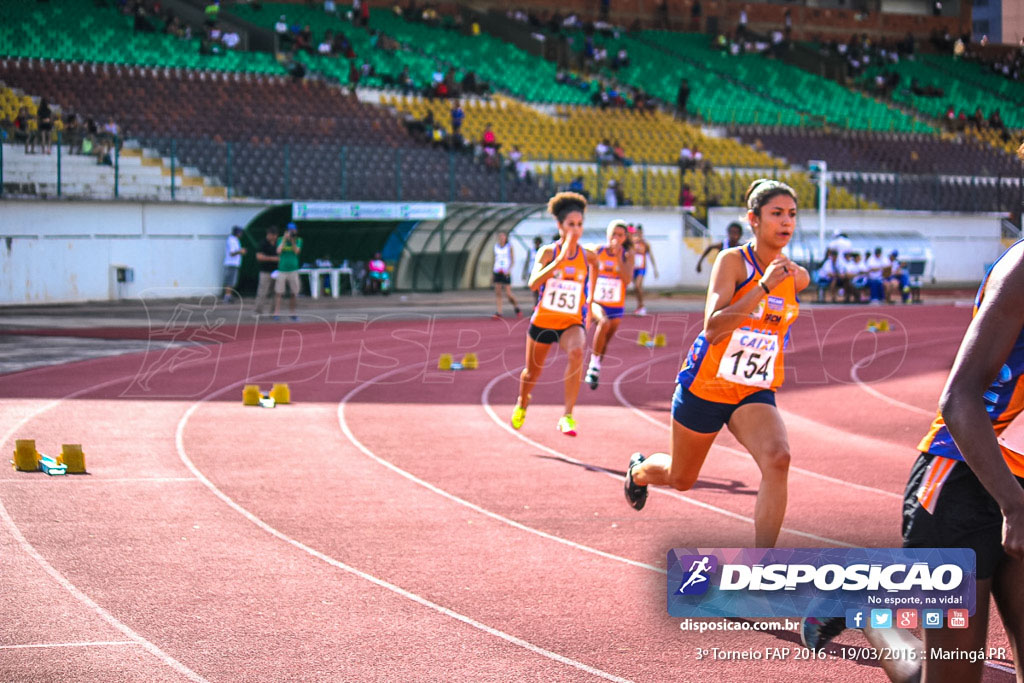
<point>638,285</point>
<point>512,299</point>
<point>1009,594</point>
<point>536,354</point>
<point>680,468</point>
<point>573,342</point>
<point>759,427</point>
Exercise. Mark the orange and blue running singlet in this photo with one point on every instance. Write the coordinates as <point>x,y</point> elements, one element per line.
<point>609,290</point>
<point>563,297</point>
<point>1004,399</point>
<point>751,358</point>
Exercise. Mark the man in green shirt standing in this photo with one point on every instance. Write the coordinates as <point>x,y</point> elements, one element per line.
<point>288,249</point>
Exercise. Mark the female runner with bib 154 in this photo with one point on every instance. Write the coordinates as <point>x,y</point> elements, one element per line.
<point>736,363</point>
<point>564,275</point>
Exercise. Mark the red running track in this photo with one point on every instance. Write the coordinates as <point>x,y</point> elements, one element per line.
<point>389,525</point>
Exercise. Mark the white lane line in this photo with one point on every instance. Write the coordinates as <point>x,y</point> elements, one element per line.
<point>855,376</point>
<point>93,643</point>
<point>180,445</point>
<point>82,597</point>
<point>621,398</point>
<point>461,501</point>
<point>485,402</point>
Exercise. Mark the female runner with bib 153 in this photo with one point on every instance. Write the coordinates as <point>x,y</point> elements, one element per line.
<point>736,363</point>
<point>564,275</point>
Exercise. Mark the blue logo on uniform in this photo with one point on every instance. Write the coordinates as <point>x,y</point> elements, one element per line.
<point>776,303</point>
<point>696,578</point>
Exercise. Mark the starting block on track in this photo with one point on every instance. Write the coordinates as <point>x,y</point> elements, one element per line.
<point>468,362</point>
<point>28,459</point>
<point>280,393</point>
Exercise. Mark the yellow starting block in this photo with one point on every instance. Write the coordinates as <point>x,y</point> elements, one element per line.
<point>470,362</point>
<point>660,341</point>
<point>26,457</point>
<point>883,325</point>
<point>643,339</point>
<point>72,457</point>
<point>444,362</point>
<point>281,393</point>
<point>251,395</point>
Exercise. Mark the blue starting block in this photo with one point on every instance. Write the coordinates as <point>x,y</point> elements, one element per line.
<point>51,467</point>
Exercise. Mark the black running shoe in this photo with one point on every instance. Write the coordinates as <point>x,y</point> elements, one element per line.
<point>591,377</point>
<point>636,495</point>
<point>816,633</point>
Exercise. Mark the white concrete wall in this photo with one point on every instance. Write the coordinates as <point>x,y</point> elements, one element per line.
<point>54,252</point>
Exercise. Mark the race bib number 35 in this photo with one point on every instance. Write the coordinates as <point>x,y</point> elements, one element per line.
<point>750,359</point>
<point>608,290</point>
<point>562,296</point>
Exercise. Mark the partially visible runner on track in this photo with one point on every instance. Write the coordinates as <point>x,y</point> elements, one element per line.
<point>504,260</point>
<point>614,273</point>
<point>641,255</point>
<point>736,363</point>
<point>965,488</point>
<point>564,273</point>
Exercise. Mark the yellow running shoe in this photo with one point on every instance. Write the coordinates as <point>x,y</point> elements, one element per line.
<point>518,417</point>
<point>567,425</point>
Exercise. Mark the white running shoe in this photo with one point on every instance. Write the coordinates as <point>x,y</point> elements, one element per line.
<point>641,312</point>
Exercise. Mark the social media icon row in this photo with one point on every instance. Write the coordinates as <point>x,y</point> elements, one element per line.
<point>905,618</point>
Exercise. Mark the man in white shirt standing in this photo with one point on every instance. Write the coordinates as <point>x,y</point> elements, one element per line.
<point>875,266</point>
<point>233,252</point>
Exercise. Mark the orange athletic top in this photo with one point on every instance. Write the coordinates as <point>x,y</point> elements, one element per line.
<point>610,290</point>
<point>1004,400</point>
<point>751,358</point>
<point>563,297</point>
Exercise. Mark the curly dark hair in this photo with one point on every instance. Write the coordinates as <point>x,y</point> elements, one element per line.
<point>762,190</point>
<point>564,203</point>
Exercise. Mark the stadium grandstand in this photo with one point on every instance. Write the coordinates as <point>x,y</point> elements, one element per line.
<point>673,106</point>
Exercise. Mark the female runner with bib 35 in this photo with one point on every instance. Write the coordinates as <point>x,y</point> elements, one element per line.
<point>564,274</point>
<point>736,363</point>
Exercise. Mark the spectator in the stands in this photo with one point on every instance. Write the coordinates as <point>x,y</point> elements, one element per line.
<point>24,128</point>
<point>304,40</point>
<point>829,276</point>
<point>611,194</point>
<point>682,97</point>
<point>326,46</point>
<point>490,145</point>
<point>353,76</point>
<point>619,154</point>
<point>577,186</point>
<point>212,12</point>
<point>231,40</point>
<point>72,132</point>
<point>977,119</point>
<point>603,153</point>
<point>686,200</point>
<point>458,115</point>
<point>856,277</point>
<point>44,119</point>
<point>284,36</point>
<point>897,281</point>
